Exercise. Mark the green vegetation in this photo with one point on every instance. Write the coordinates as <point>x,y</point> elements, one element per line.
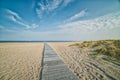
<point>76,44</point>
<point>83,44</point>
<point>109,48</point>
<point>117,43</point>
<point>112,59</point>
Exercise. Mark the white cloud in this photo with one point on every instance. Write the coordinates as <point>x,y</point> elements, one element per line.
<point>102,23</point>
<point>53,4</point>
<point>17,19</point>
<point>34,26</point>
<point>12,18</point>
<point>66,2</point>
<point>39,13</point>
<point>77,16</point>
<point>104,27</point>
<point>13,14</point>
<point>50,5</point>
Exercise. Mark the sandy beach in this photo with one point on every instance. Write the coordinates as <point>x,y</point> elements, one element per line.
<point>20,61</point>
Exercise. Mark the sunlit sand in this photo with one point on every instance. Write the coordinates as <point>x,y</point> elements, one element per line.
<point>20,61</point>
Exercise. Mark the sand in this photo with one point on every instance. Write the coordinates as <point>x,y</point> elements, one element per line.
<point>20,61</point>
<point>85,67</point>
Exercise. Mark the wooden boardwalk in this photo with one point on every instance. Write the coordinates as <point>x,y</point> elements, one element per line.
<point>54,68</point>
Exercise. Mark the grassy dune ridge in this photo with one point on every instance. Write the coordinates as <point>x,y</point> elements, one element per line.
<point>20,61</point>
<point>106,47</point>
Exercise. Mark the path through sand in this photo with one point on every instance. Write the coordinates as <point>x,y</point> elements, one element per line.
<point>54,68</point>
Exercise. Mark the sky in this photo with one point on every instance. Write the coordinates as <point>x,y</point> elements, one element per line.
<point>37,20</point>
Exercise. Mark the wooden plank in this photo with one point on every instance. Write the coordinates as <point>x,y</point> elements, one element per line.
<point>54,68</point>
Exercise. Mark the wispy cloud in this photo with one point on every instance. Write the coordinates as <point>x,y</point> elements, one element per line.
<point>77,16</point>
<point>19,22</point>
<point>104,27</point>
<point>50,5</point>
<point>13,16</point>
<point>66,2</point>
<point>34,25</point>
<point>101,23</point>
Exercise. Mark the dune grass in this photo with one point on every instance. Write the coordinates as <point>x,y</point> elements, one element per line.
<point>109,48</point>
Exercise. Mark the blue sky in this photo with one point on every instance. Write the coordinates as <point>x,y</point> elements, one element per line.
<point>59,19</point>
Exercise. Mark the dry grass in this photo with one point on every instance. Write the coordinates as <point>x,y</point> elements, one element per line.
<point>20,61</point>
<point>86,68</point>
<point>105,47</point>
